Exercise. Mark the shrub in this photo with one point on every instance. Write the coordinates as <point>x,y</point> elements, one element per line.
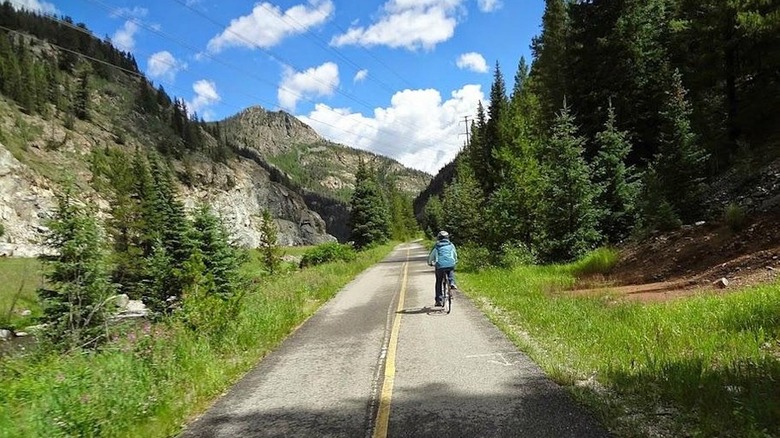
<point>327,252</point>
<point>735,217</point>
<point>473,258</point>
<point>516,254</point>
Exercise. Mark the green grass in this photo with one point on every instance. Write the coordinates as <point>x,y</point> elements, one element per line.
<point>21,277</point>
<point>702,366</point>
<point>152,378</point>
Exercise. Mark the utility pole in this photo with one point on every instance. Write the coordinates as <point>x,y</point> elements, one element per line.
<point>468,137</point>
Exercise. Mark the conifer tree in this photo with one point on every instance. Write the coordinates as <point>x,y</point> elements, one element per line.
<point>550,52</point>
<point>269,247</point>
<point>678,166</point>
<point>81,102</point>
<point>77,290</point>
<point>618,185</point>
<point>462,206</point>
<point>568,216</point>
<point>433,216</point>
<point>369,213</point>
<point>220,259</point>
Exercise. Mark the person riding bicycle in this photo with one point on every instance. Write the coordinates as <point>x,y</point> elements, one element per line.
<point>444,257</point>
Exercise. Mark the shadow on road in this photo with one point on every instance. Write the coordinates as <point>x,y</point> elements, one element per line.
<point>524,408</point>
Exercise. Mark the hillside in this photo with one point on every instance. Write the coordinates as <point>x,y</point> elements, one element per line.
<point>308,159</point>
<point>65,116</point>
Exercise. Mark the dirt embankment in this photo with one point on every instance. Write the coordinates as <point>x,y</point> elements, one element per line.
<point>683,262</point>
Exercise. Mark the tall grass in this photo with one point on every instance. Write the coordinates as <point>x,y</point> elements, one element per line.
<point>151,378</point>
<point>707,365</point>
<point>20,279</point>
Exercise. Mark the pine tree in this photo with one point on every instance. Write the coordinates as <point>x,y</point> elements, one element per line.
<point>269,247</point>
<point>433,216</point>
<point>550,54</point>
<point>77,289</point>
<point>678,166</point>
<point>369,213</point>
<point>568,215</point>
<point>618,186</point>
<point>462,207</point>
<point>220,259</point>
<point>81,103</point>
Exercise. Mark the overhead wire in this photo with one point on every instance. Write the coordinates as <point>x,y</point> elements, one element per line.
<point>196,51</point>
<point>173,87</point>
<point>277,57</point>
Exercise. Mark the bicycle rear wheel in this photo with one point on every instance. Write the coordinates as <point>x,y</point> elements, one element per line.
<point>447,298</point>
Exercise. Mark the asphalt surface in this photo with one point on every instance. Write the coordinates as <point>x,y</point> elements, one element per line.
<point>361,354</point>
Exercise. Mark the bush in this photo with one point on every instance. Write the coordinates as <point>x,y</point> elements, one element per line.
<point>474,258</point>
<point>327,252</point>
<point>516,254</point>
<point>735,217</point>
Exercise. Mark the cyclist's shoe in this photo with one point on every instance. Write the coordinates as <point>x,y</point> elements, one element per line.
<point>452,286</point>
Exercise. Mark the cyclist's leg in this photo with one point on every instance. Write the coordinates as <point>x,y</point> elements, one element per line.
<point>439,293</point>
<point>451,277</point>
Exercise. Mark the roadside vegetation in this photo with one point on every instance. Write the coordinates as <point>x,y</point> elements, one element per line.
<point>151,377</point>
<point>701,366</point>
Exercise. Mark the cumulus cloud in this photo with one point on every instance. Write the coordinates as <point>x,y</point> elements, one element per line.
<point>136,12</point>
<point>360,76</point>
<point>472,61</point>
<point>314,82</point>
<point>409,24</point>
<point>205,96</point>
<point>124,37</point>
<point>490,5</point>
<point>267,25</point>
<point>35,5</point>
<point>163,65</point>
<point>419,128</point>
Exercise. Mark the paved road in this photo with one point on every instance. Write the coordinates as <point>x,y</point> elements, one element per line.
<point>378,361</point>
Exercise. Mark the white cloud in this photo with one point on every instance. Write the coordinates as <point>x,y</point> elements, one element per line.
<point>34,5</point>
<point>360,76</point>
<point>124,37</point>
<point>205,96</point>
<point>490,5</point>
<point>267,25</point>
<point>410,24</point>
<point>136,12</point>
<point>419,129</point>
<point>472,61</point>
<point>314,82</point>
<point>163,65</point>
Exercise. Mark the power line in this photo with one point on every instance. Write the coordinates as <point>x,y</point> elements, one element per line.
<point>140,75</point>
<point>195,50</point>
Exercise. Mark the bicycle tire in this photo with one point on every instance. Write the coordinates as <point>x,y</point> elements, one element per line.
<point>449,298</point>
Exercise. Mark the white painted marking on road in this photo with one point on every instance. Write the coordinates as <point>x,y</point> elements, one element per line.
<point>497,358</point>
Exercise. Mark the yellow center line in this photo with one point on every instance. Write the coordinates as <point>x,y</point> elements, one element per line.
<point>383,416</point>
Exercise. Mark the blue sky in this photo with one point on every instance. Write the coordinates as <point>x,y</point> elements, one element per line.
<point>396,77</point>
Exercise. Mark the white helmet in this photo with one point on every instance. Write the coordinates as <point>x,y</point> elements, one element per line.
<point>443,235</point>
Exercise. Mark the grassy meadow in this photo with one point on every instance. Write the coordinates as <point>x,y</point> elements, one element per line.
<point>153,377</point>
<point>702,366</point>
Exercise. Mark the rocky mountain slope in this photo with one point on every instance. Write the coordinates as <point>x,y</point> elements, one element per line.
<point>240,166</point>
<point>307,159</point>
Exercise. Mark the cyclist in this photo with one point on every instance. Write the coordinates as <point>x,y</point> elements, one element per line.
<point>444,257</point>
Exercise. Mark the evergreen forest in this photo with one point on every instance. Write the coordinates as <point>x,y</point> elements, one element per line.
<point>627,112</point>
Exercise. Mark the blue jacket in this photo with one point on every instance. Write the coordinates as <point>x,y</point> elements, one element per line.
<point>443,255</point>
